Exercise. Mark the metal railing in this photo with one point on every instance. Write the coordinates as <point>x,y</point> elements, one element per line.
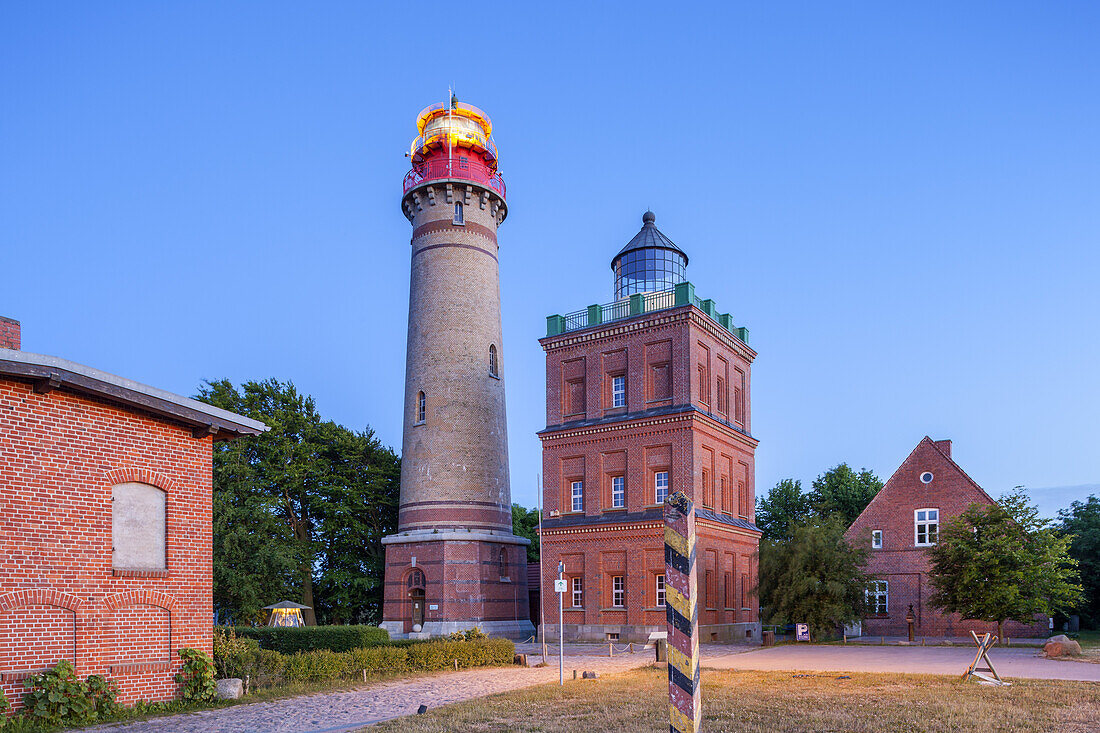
<point>467,168</point>
<point>639,304</point>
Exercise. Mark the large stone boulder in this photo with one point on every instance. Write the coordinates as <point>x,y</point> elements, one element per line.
<point>230,689</point>
<point>1061,646</point>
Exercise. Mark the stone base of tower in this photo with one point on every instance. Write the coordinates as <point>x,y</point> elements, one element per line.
<point>447,581</point>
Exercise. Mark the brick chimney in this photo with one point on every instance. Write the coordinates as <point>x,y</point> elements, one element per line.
<point>10,333</point>
<point>944,446</point>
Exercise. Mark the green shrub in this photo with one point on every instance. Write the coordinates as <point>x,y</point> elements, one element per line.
<point>442,653</point>
<point>468,635</point>
<point>377,659</point>
<point>58,696</point>
<point>232,653</point>
<point>288,640</point>
<point>196,677</point>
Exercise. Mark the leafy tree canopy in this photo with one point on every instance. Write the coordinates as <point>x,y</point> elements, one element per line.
<point>784,504</point>
<point>844,492</point>
<point>1081,523</point>
<point>814,577</point>
<point>525,523</point>
<point>299,512</point>
<point>1000,562</point>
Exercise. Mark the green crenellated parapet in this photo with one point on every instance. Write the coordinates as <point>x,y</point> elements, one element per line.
<point>555,325</point>
<point>725,320</point>
<point>595,315</point>
<point>709,308</point>
<point>685,293</point>
<point>742,333</point>
<point>637,304</point>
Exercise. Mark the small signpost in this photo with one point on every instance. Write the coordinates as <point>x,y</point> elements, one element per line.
<point>559,588</point>
<point>984,645</point>
<point>801,632</point>
<point>685,705</point>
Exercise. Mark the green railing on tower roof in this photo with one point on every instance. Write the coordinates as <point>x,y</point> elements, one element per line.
<point>639,304</point>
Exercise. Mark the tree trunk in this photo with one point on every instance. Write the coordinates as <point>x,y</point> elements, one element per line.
<point>301,533</point>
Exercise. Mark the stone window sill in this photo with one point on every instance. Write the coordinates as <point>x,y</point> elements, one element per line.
<point>656,608</point>
<point>139,667</point>
<point>615,509</point>
<point>877,615</point>
<point>20,675</point>
<point>133,573</point>
<point>620,609</point>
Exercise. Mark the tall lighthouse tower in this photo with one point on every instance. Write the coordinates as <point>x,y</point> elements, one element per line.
<point>454,562</point>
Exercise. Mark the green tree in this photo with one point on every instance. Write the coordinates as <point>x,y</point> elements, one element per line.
<point>300,510</point>
<point>784,504</point>
<point>1001,562</point>
<point>1081,523</point>
<point>813,577</point>
<point>525,523</point>
<point>844,492</point>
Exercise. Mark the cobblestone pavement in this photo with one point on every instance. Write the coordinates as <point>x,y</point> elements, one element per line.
<point>329,712</point>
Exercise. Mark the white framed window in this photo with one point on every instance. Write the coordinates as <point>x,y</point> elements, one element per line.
<point>577,496</point>
<point>618,591</point>
<point>876,539</point>
<point>494,364</point>
<point>878,597</point>
<point>659,587</point>
<point>421,407</point>
<point>618,391</point>
<point>926,477</point>
<point>459,216</point>
<point>926,526</point>
<point>618,492</point>
<point>660,483</point>
<point>578,593</point>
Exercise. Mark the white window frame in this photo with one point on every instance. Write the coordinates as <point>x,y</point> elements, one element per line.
<point>876,539</point>
<point>576,496</point>
<point>618,391</point>
<point>659,590</point>
<point>618,492</point>
<point>421,407</point>
<point>878,595</point>
<point>460,214</point>
<point>929,525</point>
<point>578,592</point>
<point>657,486</point>
<point>618,591</point>
<point>494,366</point>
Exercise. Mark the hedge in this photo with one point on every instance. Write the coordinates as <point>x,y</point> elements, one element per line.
<point>267,668</point>
<point>288,640</point>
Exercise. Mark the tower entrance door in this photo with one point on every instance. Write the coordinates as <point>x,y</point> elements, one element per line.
<point>415,619</point>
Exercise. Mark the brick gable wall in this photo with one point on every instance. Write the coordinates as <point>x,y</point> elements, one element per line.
<point>59,595</point>
<point>903,564</point>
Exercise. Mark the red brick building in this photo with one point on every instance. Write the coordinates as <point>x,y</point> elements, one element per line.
<point>105,525</point>
<point>901,522</point>
<point>647,396</point>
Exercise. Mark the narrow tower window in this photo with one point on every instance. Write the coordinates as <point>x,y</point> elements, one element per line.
<point>618,391</point>
<point>660,481</point>
<point>458,213</point>
<point>421,407</point>
<point>493,367</point>
<point>502,561</point>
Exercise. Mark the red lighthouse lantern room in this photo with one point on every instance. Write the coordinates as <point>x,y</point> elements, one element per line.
<point>455,142</point>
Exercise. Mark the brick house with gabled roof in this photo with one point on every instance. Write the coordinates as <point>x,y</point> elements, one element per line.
<point>901,522</point>
<point>105,522</point>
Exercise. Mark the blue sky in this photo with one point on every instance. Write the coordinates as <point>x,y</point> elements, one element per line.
<point>901,203</point>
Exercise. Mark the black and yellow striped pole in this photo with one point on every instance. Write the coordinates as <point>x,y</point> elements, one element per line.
<point>685,709</point>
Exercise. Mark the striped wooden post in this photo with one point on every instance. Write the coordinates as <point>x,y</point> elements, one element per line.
<point>685,708</point>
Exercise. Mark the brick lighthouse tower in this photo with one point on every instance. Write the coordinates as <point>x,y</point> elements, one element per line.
<point>454,562</point>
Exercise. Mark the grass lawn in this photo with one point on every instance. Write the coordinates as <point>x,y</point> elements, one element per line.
<point>777,702</point>
<point>1090,645</point>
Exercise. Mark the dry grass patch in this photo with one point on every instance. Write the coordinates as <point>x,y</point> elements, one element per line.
<point>778,702</point>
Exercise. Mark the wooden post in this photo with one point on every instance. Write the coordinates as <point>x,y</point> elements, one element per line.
<point>685,709</point>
